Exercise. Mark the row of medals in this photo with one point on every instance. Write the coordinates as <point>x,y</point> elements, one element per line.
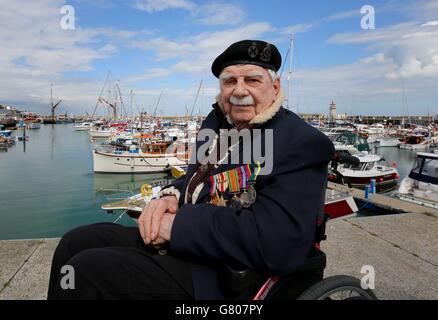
<point>246,199</point>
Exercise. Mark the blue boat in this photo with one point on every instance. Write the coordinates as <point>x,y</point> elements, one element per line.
<point>6,133</point>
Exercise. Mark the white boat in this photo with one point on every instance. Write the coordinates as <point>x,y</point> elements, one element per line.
<point>368,168</point>
<point>155,159</point>
<point>100,132</point>
<point>417,142</point>
<point>85,126</point>
<point>421,185</point>
<point>388,142</point>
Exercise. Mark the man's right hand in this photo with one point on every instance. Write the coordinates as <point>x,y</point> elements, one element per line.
<point>150,218</point>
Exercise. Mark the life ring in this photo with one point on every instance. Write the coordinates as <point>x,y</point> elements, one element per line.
<point>146,189</point>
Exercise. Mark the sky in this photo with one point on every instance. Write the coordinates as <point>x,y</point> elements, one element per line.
<point>163,49</point>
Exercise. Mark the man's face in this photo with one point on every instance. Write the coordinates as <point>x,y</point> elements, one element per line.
<point>246,91</point>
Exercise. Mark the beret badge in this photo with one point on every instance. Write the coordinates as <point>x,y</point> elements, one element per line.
<point>266,54</point>
<point>253,51</point>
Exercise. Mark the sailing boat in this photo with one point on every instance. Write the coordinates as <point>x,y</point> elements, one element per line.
<point>52,119</point>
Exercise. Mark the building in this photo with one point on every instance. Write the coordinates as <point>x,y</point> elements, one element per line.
<point>332,116</point>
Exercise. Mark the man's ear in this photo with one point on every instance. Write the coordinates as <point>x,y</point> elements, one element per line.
<point>277,85</point>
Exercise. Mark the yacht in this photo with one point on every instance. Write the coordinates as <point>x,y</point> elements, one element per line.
<point>421,185</point>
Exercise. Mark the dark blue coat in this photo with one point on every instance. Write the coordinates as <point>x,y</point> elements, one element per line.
<point>275,234</point>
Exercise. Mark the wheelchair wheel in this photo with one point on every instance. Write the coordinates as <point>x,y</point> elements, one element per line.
<point>337,288</point>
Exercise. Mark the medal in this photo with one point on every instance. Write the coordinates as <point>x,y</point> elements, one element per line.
<point>222,185</point>
<point>249,196</point>
<point>236,202</point>
<point>214,198</point>
<point>234,186</point>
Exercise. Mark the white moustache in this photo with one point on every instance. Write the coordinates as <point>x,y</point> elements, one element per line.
<point>245,101</point>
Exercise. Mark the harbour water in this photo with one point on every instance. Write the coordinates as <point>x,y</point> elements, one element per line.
<point>48,186</point>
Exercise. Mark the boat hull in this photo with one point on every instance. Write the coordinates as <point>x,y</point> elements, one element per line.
<point>133,163</point>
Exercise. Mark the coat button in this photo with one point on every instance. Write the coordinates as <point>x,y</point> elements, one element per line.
<point>162,252</point>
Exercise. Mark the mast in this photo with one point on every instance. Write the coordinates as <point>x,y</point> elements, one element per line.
<point>158,102</point>
<point>51,102</point>
<point>100,95</point>
<point>196,98</point>
<point>289,73</point>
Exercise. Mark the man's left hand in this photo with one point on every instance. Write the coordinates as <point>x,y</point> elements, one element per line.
<point>164,231</point>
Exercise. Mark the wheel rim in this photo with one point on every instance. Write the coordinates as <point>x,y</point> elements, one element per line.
<point>340,290</point>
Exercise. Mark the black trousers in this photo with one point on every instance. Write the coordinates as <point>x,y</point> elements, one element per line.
<point>112,262</point>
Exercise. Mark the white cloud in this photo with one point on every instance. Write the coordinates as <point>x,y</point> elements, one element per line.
<point>218,14</point>
<point>36,51</point>
<point>214,13</point>
<point>151,6</point>
<point>149,74</point>
<point>164,49</point>
<point>430,24</point>
<point>343,15</point>
<point>298,28</point>
<point>411,47</point>
<point>197,52</point>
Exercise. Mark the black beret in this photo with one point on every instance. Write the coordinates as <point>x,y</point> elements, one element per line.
<point>256,52</point>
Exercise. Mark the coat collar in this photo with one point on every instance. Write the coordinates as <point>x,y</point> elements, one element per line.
<point>261,118</point>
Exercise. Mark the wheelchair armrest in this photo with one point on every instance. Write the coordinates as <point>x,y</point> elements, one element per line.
<point>240,280</point>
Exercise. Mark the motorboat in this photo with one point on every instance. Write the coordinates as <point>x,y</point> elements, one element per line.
<point>418,141</point>
<point>34,125</point>
<point>388,141</point>
<point>84,126</point>
<point>421,185</point>
<point>367,168</point>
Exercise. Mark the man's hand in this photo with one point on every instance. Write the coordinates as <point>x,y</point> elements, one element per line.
<point>165,230</point>
<point>150,218</point>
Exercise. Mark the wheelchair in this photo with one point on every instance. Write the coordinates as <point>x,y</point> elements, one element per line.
<point>306,283</point>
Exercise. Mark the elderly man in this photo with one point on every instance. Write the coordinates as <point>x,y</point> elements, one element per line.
<point>220,216</point>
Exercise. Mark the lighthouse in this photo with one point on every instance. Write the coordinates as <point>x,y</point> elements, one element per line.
<point>332,117</point>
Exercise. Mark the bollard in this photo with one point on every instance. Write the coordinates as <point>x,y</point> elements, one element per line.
<point>373,186</point>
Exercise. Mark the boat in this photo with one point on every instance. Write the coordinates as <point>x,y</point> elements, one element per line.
<point>6,142</point>
<point>351,143</point>
<point>151,157</point>
<point>52,119</point>
<point>100,132</point>
<point>34,125</point>
<point>421,185</point>
<point>337,203</point>
<point>5,133</point>
<point>360,174</point>
<point>84,126</point>
<point>417,141</point>
<point>388,141</point>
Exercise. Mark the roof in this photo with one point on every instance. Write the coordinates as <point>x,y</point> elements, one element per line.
<point>427,155</point>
